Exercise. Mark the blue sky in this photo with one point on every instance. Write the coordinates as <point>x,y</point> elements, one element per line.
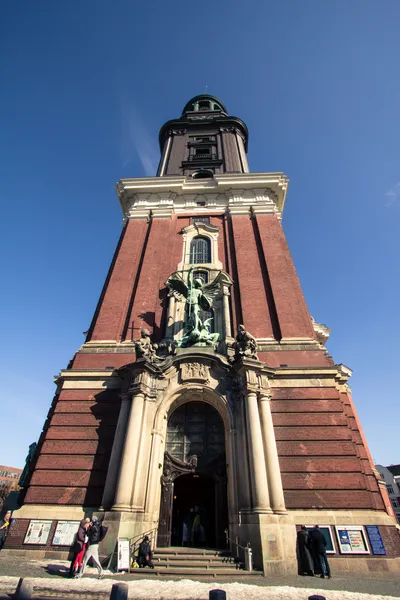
<point>86,87</point>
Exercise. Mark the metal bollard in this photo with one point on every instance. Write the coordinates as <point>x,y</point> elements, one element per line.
<point>217,595</point>
<point>24,590</point>
<point>119,591</point>
<point>248,558</point>
<point>316,597</point>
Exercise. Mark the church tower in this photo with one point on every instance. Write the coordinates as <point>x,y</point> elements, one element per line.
<point>204,386</point>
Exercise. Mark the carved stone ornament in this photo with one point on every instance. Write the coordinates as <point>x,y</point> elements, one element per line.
<point>173,468</point>
<point>177,131</point>
<point>192,371</point>
<point>245,345</point>
<point>146,349</point>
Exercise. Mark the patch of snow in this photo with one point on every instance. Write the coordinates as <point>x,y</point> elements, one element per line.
<point>185,589</point>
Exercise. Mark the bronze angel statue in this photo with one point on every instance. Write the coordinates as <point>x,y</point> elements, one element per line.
<point>199,296</point>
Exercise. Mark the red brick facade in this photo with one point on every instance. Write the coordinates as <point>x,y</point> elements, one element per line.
<point>323,456</point>
<point>74,449</point>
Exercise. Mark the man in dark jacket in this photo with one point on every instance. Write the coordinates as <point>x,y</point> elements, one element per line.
<point>94,538</point>
<point>304,559</point>
<point>145,553</point>
<point>318,545</point>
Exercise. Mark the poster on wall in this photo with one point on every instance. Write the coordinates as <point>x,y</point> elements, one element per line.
<point>352,539</point>
<point>65,533</point>
<point>375,539</point>
<point>123,555</point>
<point>38,532</point>
<point>327,533</point>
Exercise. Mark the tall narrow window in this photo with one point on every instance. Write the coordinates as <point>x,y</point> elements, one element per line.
<point>200,250</point>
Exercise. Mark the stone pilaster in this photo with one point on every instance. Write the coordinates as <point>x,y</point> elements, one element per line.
<point>271,456</point>
<point>126,477</point>
<point>116,452</point>
<point>258,476</point>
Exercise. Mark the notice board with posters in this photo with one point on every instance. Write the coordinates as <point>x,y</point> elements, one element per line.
<point>352,539</point>
<point>123,555</point>
<point>65,533</point>
<point>38,532</point>
<point>375,539</point>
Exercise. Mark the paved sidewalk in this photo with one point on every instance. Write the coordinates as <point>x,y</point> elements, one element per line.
<point>53,575</point>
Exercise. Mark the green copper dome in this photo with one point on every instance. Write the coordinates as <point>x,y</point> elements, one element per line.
<point>206,103</point>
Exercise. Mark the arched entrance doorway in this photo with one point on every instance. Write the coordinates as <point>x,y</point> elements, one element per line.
<point>193,507</point>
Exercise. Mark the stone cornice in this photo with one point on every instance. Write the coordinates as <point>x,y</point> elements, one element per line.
<point>237,193</point>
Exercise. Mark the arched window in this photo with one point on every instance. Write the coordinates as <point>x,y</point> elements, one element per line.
<point>195,428</point>
<point>201,275</point>
<point>202,174</point>
<point>200,250</point>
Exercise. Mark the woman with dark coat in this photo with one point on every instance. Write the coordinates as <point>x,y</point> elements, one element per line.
<point>79,547</point>
<point>304,559</point>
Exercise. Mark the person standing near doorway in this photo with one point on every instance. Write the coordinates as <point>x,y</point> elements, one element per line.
<point>318,545</point>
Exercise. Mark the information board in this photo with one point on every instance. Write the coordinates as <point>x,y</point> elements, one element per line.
<point>327,533</point>
<point>352,539</point>
<point>124,555</point>
<point>38,532</point>
<point>65,533</point>
<point>375,539</point>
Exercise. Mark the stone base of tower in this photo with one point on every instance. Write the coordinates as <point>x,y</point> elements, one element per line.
<point>272,537</point>
<point>273,540</point>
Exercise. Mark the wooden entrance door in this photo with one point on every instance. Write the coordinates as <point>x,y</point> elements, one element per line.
<point>173,468</point>
<point>165,522</point>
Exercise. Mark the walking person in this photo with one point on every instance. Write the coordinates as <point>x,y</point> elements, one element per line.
<point>318,545</point>
<point>94,535</point>
<point>303,551</point>
<point>79,548</point>
<point>4,525</point>
<point>145,553</point>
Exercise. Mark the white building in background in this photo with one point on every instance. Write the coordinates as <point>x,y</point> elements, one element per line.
<point>391,477</point>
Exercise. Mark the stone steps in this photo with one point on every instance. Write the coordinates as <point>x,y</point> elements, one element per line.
<point>199,562</point>
<point>193,572</point>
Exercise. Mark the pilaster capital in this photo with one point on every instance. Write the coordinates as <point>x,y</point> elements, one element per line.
<point>138,395</point>
<point>265,396</point>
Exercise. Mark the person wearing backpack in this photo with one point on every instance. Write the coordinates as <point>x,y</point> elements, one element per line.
<point>96,533</point>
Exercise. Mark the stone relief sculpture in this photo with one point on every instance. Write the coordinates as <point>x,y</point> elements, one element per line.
<point>196,371</point>
<point>245,345</point>
<point>198,296</point>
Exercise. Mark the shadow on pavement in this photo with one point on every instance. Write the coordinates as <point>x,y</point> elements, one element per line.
<point>60,570</point>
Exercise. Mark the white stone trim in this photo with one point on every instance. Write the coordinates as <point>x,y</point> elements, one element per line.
<point>240,192</point>
<point>85,379</point>
<point>50,511</point>
<point>296,340</point>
